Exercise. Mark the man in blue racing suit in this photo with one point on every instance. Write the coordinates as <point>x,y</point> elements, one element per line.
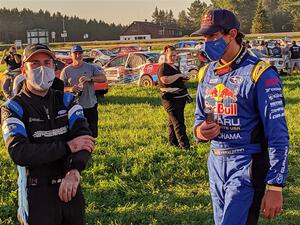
<point>247,163</point>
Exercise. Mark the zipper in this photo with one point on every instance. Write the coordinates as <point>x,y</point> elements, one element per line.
<point>47,112</point>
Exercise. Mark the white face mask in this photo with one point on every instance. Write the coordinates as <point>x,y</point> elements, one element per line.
<point>41,78</point>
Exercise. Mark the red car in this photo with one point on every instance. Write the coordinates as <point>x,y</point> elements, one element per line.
<point>133,67</point>
<point>62,61</point>
<point>125,49</point>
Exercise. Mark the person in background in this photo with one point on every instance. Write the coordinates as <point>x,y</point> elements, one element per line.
<point>294,55</point>
<point>277,51</point>
<point>46,132</point>
<point>247,44</point>
<point>13,63</point>
<point>262,48</point>
<point>79,78</point>
<point>174,96</point>
<point>240,110</point>
<point>285,54</point>
<point>11,58</point>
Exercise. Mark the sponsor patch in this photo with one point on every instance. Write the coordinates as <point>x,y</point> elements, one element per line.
<point>50,133</point>
<point>60,112</point>
<point>235,80</point>
<point>207,20</point>
<point>220,92</point>
<point>271,82</point>
<point>213,81</point>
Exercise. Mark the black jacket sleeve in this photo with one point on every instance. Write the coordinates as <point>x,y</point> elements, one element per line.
<point>78,126</point>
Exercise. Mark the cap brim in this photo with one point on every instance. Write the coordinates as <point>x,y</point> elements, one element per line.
<point>40,51</point>
<point>205,31</point>
<point>76,51</point>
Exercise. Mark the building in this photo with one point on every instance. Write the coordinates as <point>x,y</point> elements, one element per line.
<point>145,30</point>
<point>40,36</point>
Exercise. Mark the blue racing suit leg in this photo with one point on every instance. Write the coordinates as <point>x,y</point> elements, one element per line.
<point>231,187</point>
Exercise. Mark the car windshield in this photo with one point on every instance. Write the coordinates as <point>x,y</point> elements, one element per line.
<point>106,52</point>
<point>153,57</point>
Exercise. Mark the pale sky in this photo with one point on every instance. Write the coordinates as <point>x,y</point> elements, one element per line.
<point>109,11</point>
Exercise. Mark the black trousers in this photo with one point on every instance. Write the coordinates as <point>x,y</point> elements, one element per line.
<point>260,167</point>
<point>46,208</point>
<point>176,126</point>
<point>91,115</point>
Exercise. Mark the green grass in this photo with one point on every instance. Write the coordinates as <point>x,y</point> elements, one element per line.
<point>136,178</point>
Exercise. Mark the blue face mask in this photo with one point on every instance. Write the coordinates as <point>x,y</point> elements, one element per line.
<point>214,49</point>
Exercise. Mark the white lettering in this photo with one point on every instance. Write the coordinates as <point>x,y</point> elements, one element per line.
<point>50,133</point>
<point>276,103</point>
<point>277,95</point>
<point>234,136</point>
<point>272,89</point>
<point>229,122</point>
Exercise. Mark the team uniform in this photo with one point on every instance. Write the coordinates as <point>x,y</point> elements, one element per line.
<point>35,131</point>
<point>252,147</point>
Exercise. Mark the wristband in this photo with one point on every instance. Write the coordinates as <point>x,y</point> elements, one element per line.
<point>273,188</point>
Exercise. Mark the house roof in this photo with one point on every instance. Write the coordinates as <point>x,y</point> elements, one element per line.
<point>144,27</point>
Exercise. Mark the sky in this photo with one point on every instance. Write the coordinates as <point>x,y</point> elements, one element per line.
<point>110,11</point>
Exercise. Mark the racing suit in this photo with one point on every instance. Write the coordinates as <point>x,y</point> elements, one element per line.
<point>252,147</point>
<point>36,130</point>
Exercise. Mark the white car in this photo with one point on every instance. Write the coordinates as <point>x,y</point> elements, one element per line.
<point>279,63</point>
<point>102,55</point>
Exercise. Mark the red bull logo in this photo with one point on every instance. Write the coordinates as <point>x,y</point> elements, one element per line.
<point>230,110</point>
<point>220,92</point>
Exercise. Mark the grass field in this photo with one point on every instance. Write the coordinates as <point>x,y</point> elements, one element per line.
<point>136,178</point>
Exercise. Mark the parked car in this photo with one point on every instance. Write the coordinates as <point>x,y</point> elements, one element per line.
<point>62,61</point>
<point>102,55</point>
<point>279,63</point>
<point>125,49</point>
<point>133,67</point>
<point>189,60</point>
<point>186,44</point>
<point>62,52</point>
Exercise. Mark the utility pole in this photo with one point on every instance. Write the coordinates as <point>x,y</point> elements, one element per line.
<point>64,30</point>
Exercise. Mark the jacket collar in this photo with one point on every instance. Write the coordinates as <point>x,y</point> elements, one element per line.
<point>235,63</point>
<point>29,94</point>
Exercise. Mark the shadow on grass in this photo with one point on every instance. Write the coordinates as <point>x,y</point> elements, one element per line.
<point>291,82</point>
<point>292,100</point>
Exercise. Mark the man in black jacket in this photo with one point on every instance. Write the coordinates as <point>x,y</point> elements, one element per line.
<point>46,132</point>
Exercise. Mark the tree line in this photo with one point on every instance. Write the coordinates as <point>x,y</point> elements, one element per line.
<point>14,25</point>
<point>256,16</point>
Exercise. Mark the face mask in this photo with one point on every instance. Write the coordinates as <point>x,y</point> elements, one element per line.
<point>214,49</point>
<point>41,78</point>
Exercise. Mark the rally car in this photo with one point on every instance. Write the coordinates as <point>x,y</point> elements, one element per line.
<point>133,67</point>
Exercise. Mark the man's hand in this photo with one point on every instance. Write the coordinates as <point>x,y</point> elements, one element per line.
<point>76,88</point>
<point>84,142</point>
<point>83,79</point>
<point>207,131</point>
<point>69,185</point>
<point>271,204</point>
<point>185,77</point>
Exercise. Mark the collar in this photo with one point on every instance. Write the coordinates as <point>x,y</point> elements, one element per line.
<point>233,64</point>
<point>28,93</point>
